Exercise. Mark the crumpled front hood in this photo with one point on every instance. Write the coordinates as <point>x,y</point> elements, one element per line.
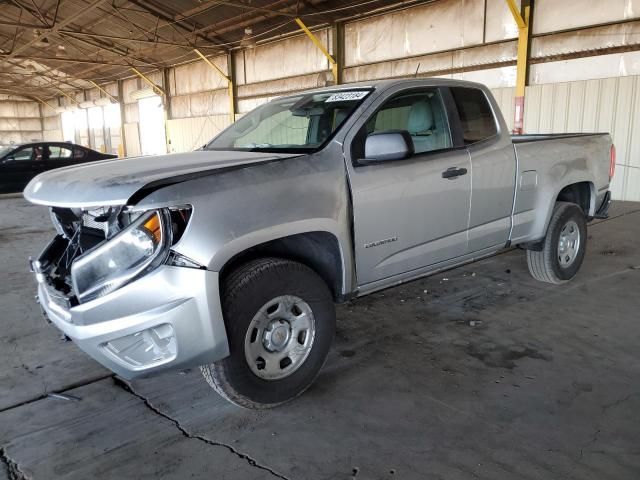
<point>113,182</point>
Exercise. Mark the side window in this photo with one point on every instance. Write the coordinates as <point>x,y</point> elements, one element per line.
<point>23,154</point>
<point>421,113</point>
<point>79,153</point>
<point>476,117</point>
<point>41,153</point>
<point>60,153</point>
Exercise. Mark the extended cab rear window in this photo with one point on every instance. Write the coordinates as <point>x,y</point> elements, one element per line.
<point>476,116</point>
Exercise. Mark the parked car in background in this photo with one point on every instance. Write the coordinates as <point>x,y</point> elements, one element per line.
<point>19,163</point>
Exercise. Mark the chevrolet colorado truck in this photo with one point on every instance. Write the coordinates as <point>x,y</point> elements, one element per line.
<point>232,257</point>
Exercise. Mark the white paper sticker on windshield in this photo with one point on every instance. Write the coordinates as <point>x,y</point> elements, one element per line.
<point>346,96</point>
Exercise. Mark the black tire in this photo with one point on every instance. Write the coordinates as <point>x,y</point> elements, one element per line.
<point>545,264</point>
<point>245,292</point>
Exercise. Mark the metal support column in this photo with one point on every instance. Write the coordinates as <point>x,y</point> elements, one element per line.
<point>122,148</point>
<point>167,98</point>
<point>523,22</point>
<point>233,87</point>
<point>316,41</point>
<point>338,50</point>
<point>228,78</point>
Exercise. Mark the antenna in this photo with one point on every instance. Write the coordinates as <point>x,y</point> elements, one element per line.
<point>417,68</point>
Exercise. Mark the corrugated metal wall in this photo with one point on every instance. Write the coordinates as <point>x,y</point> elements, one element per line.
<point>51,124</point>
<point>187,134</point>
<point>603,105</point>
<point>19,121</point>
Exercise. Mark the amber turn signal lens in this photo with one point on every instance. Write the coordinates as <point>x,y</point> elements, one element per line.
<point>154,227</point>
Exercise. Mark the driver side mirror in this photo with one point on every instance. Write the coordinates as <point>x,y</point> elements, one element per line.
<point>7,160</point>
<point>386,146</point>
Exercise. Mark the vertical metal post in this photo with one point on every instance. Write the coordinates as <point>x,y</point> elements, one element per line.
<point>523,22</point>
<point>168,109</point>
<point>122,148</point>
<point>41,112</point>
<point>233,88</point>
<point>338,50</point>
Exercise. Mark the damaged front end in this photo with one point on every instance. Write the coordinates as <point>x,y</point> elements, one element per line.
<point>100,250</point>
<point>112,282</point>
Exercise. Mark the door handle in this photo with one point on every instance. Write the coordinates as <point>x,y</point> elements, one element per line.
<point>453,172</point>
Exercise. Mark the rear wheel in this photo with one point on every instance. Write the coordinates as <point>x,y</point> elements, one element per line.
<point>563,248</point>
<point>280,321</point>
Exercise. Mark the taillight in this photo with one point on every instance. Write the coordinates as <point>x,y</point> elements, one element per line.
<point>612,161</point>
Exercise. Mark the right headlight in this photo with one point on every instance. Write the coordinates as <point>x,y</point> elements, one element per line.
<point>141,246</point>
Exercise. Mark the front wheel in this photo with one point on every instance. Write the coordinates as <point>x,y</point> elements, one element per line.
<point>563,248</point>
<point>280,321</point>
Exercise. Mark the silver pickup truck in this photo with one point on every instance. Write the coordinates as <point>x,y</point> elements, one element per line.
<point>231,257</point>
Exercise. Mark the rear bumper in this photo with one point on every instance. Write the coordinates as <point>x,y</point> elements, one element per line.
<point>168,319</point>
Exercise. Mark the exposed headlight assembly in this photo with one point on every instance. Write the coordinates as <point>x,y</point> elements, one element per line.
<point>140,247</point>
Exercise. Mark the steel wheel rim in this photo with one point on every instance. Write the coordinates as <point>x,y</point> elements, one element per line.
<point>280,337</point>
<point>569,244</point>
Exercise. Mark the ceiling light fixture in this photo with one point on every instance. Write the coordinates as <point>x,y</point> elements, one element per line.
<point>248,41</point>
<point>40,42</point>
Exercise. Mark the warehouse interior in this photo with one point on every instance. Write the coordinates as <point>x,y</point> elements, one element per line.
<point>476,372</point>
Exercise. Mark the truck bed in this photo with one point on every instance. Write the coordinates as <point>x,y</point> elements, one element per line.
<point>548,162</point>
<point>537,137</point>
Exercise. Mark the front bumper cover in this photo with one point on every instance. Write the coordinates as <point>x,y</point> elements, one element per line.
<point>168,319</point>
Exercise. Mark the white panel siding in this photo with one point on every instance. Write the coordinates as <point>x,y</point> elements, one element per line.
<point>434,27</point>
<point>187,134</point>
<point>606,105</point>
<point>132,139</point>
<point>504,97</point>
<point>554,15</point>
<point>52,136</point>
<point>269,61</point>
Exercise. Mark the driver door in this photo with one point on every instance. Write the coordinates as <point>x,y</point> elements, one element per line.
<point>408,216</point>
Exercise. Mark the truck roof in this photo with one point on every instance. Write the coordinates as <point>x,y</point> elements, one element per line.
<point>383,84</point>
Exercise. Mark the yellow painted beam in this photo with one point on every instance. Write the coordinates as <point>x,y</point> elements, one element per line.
<point>44,102</point>
<point>516,14</point>
<point>232,103</point>
<point>103,91</point>
<point>523,45</point>
<point>211,64</point>
<point>67,95</point>
<point>522,63</point>
<point>156,88</point>
<point>316,41</point>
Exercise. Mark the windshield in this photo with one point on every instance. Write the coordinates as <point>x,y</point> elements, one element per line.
<point>297,124</point>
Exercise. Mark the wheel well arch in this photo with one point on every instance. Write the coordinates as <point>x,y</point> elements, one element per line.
<point>318,250</point>
<point>580,193</point>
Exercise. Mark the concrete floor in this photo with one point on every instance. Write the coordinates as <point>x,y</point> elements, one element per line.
<point>479,372</point>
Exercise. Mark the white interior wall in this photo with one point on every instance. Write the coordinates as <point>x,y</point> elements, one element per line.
<point>554,15</point>
<point>600,105</point>
<point>51,124</point>
<point>20,121</point>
